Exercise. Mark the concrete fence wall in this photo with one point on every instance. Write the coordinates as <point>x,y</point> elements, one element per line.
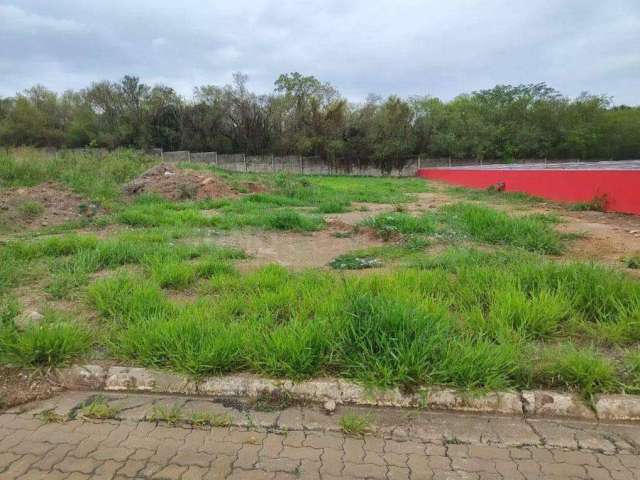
<point>239,162</point>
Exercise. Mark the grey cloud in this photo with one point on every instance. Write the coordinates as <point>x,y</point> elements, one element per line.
<point>385,46</point>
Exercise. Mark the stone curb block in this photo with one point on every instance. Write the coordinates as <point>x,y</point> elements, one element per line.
<point>141,379</point>
<point>546,403</point>
<point>529,403</point>
<point>82,377</point>
<point>618,407</point>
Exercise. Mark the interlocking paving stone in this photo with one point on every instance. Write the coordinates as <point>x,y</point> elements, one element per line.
<point>456,446</point>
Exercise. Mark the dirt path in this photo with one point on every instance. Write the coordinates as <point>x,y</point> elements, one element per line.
<point>304,443</point>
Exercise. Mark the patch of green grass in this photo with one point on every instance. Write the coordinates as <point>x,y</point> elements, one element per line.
<point>99,409</point>
<point>290,220</point>
<point>465,318</point>
<point>582,369</point>
<point>9,309</point>
<point>494,195</point>
<point>354,424</point>
<point>333,206</point>
<point>491,226</point>
<point>631,368</point>
<point>596,204</point>
<point>233,215</point>
<point>633,262</point>
<point>30,210</point>
<point>387,225</point>
<point>175,274</point>
<point>99,177</point>
<point>52,343</point>
<point>171,415</point>
<point>389,341</point>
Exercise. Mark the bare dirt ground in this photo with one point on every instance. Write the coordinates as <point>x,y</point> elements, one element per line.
<point>295,250</point>
<point>50,204</point>
<point>18,386</point>
<point>606,237</point>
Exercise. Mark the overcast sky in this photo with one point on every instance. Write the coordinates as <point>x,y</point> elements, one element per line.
<point>404,47</point>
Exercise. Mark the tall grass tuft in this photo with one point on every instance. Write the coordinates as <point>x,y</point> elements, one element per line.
<point>52,343</point>
<point>488,225</point>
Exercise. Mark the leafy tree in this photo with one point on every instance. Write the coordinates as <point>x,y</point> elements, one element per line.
<point>305,116</point>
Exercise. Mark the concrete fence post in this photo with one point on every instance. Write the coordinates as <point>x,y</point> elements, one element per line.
<point>244,159</point>
<point>419,162</point>
<point>189,156</point>
<point>449,162</point>
<point>215,158</point>
<point>301,165</point>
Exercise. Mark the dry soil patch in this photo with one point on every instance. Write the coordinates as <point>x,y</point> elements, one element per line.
<point>51,204</point>
<point>294,250</point>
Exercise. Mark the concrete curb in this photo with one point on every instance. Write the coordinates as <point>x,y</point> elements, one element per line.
<point>526,403</point>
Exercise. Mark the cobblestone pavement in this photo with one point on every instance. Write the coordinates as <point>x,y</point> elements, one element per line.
<point>53,440</point>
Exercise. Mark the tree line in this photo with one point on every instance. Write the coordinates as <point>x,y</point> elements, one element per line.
<point>305,116</point>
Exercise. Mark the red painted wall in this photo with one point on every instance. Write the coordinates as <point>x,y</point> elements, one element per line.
<point>621,187</point>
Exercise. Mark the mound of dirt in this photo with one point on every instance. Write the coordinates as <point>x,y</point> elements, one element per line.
<point>176,184</point>
<point>47,204</point>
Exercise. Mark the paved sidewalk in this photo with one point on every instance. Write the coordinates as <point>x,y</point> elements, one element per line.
<point>303,442</point>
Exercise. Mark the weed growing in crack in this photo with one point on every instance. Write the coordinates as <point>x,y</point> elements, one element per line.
<point>354,424</point>
<point>50,416</point>
<point>99,409</point>
<point>206,419</point>
<point>171,415</point>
